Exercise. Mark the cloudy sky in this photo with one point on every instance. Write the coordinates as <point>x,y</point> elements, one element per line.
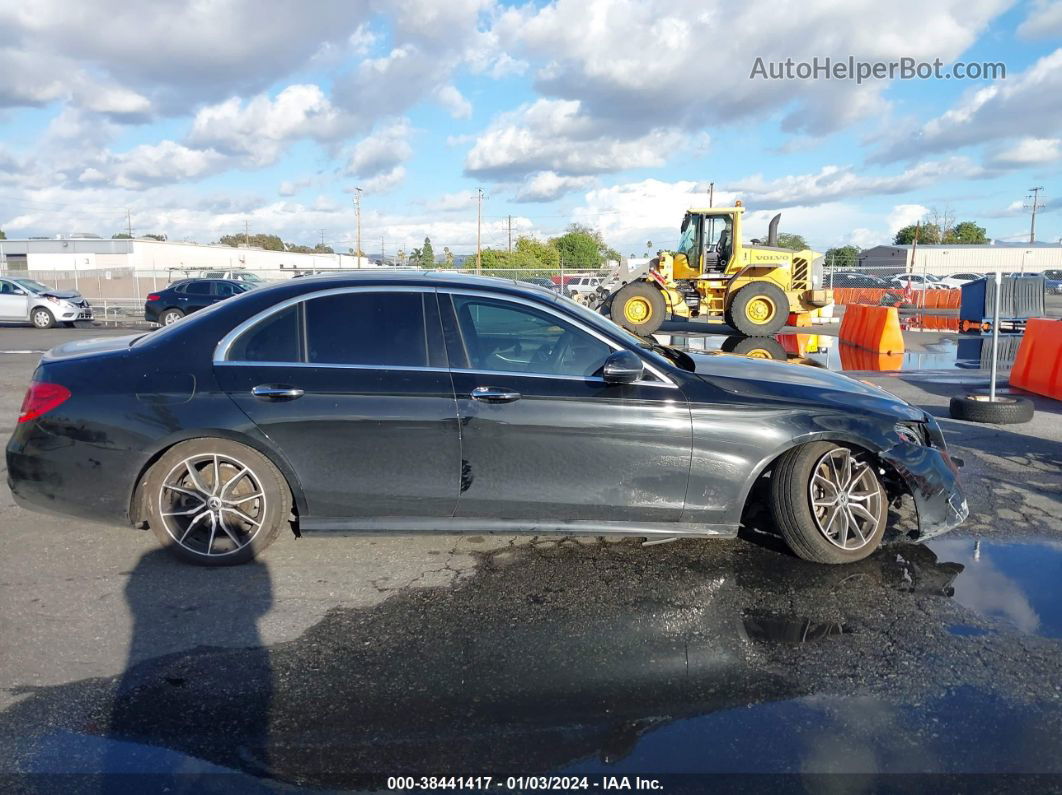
<point>201,116</point>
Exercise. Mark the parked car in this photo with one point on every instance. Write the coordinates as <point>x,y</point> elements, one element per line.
<point>855,279</point>
<point>252,279</point>
<point>915,281</point>
<point>542,281</point>
<point>413,401</point>
<point>955,281</point>
<point>581,285</point>
<point>187,296</point>
<point>30,301</point>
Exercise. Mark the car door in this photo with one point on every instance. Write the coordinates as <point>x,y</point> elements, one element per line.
<point>195,295</point>
<point>14,302</point>
<point>543,437</point>
<point>351,385</point>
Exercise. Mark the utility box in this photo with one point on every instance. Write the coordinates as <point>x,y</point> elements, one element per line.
<point>1021,297</point>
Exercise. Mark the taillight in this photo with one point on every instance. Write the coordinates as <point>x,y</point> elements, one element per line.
<point>154,297</point>
<point>40,399</point>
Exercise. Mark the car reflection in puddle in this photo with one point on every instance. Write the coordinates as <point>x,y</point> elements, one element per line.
<point>581,657</point>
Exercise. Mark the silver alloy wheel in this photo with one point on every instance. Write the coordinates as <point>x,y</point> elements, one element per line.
<point>170,318</point>
<point>212,504</point>
<point>846,499</point>
<point>42,319</point>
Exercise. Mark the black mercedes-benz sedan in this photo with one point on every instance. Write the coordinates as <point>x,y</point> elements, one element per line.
<point>397,402</point>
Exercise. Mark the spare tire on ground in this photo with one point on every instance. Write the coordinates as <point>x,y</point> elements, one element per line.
<point>1004,410</point>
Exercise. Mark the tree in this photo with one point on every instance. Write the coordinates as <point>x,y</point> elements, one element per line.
<point>842,257</point>
<point>448,256</point>
<point>791,241</point>
<point>121,236</point>
<point>160,238</point>
<point>268,242</point>
<point>490,258</point>
<point>967,233</point>
<point>427,254</point>
<point>928,234</point>
<point>321,248</point>
<point>536,254</point>
<point>2,235</point>
<point>581,247</point>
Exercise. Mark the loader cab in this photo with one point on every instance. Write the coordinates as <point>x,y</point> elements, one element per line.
<point>707,242</point>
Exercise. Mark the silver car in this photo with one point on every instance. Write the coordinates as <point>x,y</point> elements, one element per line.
<point>28,300</point>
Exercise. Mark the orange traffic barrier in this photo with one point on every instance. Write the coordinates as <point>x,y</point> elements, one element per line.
<point>1038,365</point>
<point>853,358</point>
<point>875,328</point>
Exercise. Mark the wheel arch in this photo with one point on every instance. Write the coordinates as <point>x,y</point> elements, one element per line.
<point>137,512</point>
<point>893,483</point>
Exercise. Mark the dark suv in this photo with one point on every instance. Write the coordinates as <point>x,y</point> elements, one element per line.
<point>183,297</point>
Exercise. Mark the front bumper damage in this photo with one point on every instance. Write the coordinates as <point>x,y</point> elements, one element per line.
<point>931,477</point>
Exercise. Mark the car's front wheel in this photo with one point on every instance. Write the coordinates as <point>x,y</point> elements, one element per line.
<point>42,318</point>
<point>215,502</point>
<point>828,502</point>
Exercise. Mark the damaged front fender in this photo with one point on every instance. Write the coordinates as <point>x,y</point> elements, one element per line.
<point>932,478</point>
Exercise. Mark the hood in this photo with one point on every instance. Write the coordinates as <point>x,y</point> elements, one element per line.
<point>66,295</point>
<point>97,346</point>
<point>768,379</point>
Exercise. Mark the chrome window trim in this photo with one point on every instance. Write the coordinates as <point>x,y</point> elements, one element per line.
<point>221,350</point>
<point>665,380</point>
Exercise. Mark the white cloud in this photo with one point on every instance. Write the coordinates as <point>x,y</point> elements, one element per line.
<point>261,128</point>
<point>153,164</point>
<point>385,181</point>
<point>554,135</point>
<point>1044,20</point>
<point>381,152</point>
<point>453,101</point>
<point>904,215</point>
<point>1029,152</point>
<point>546,186</point>
<point>836,182</point>
<point>1005,109</point>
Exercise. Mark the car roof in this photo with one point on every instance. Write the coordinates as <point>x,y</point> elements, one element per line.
<point>439,278</point>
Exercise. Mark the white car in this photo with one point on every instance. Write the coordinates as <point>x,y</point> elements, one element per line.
<point>248,277</point>
<point>957,280</point>
<point>582,285</point>
<point>27,300</point>
<point>916,281</point>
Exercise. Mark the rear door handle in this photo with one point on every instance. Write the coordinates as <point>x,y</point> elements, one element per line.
<point>494,394</point>
<point>277,392</point>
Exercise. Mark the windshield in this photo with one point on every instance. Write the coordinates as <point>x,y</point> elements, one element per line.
<point>32,286</point>
<point>686,242</point>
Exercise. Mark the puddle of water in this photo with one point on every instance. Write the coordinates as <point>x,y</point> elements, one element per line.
<point>789,629</point>
<point>1017,584</point>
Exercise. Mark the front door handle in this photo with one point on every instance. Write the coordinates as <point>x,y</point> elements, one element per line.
<point>494,394</point>
<point>277,392</point>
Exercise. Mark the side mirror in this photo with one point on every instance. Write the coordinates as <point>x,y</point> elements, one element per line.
<point>622,367</point>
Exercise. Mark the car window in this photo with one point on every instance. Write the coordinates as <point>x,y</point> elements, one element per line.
<point>275,339</point>
<point>225,290</point>
<point>7,288</point>
<point>197,288</point>
<point>504,337</point>
<point>367,328</point>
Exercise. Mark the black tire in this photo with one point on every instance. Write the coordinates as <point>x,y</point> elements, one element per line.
<point>272,510</point>
<point>42,318</point>
<point>69,324</point>
<point>648,297</point>
<point>1004,410</point>
<point>755,347</point>
<point>170,316</point>
<point>729,318</point>
<point>759,292</point>
<point>791,505</point>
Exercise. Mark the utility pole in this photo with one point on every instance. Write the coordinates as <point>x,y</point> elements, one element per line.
<point>322,231</point>
<point>246,233</point>
<point>357,212</point>
<point>510,235</point>
<point>479,230</point>
<point>383,259</point>
<point>1034,207</point>
<point>711,194</point>
<point>129,222</point>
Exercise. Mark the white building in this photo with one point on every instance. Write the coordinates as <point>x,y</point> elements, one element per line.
<point>945,259</point>
<point>146,255</point>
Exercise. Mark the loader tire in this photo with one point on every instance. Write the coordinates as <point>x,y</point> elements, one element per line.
<point>759,309</point>
<point>638,307</point>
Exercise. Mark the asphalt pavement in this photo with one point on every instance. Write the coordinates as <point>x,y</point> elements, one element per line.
<point>334,657</point>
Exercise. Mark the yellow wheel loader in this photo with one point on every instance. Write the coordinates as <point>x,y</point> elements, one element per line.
<point>754,287</point>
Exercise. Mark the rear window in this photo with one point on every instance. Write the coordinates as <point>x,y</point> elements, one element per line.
<point>197,288</point>
<point>367,328</point>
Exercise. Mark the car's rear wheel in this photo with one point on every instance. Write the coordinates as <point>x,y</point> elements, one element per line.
<point>170,316</point>
<point>828,502</point>
<point>215,502</point>
<point>42,318</point>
